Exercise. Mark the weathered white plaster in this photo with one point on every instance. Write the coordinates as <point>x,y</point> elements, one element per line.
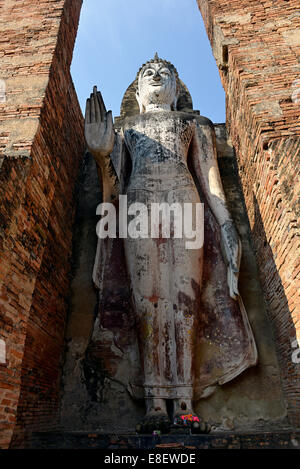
<point>166,278</point>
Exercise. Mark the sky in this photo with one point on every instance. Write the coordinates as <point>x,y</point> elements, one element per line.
<point>115,37</point>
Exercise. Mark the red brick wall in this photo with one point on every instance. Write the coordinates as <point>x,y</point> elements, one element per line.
<point>256,45</point>
<point>41,142</point>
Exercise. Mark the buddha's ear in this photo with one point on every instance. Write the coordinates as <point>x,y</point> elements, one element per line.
<point>174,104</point>
<point>137,95</point>
<point>177,91</point>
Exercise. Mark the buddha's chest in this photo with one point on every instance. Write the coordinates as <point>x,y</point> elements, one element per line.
<point>165,131</point>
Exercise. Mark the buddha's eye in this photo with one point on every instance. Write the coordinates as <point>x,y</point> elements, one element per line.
<point>148,72</point>
<point>165,71</point>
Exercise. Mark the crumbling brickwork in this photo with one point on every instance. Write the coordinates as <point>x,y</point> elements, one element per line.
<point>41,143</point>
<point>256,45</point>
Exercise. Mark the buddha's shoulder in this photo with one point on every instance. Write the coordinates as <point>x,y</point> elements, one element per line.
<point>157,119</point>
<point>204,121</point>
<point>189,117</point>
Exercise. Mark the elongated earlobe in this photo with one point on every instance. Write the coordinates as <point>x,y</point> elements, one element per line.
<point>142,109</point>
<point>174,105</point>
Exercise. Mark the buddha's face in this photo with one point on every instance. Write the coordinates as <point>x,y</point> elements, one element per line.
<point>156,85</point>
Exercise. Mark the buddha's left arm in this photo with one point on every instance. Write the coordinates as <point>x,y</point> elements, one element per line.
<point>204,158</point>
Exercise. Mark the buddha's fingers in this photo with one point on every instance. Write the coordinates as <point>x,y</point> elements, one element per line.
<point>102,106</point>
<point>109,124</point>
<point>88,111</point>
<point>97,105</point>
<point>232,279</point>
<point>93,110</point>
<point>235,286</point>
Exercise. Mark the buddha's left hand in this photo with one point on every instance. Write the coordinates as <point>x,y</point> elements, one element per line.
<point>232,249</point>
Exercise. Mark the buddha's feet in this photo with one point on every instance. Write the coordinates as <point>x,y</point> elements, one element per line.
<point>154,422</point>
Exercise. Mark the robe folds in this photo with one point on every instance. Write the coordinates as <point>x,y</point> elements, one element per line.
<point>222,340</point>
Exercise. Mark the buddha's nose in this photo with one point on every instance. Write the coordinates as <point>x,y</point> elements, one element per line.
<point>157,76</point>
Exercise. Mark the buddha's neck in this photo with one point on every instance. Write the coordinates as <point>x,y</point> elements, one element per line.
<point>157,107</point>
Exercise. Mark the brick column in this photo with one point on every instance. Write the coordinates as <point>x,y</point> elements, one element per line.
<point>256,46</point>
<point>41,146</point>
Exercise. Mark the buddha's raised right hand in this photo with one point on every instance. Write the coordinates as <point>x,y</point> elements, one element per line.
<point>98,127</point>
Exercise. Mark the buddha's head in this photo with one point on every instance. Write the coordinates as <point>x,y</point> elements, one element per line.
<point>157,85</point>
